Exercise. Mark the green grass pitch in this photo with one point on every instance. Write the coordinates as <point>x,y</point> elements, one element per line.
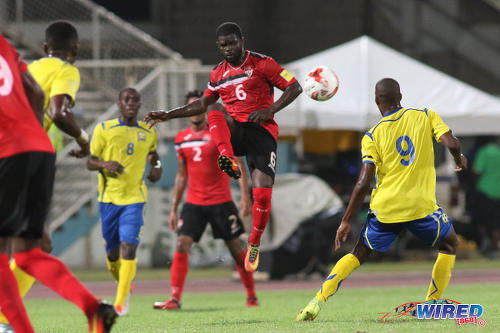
<point>351,310</point>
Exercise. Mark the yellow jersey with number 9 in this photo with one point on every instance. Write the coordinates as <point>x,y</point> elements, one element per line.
<point>55,77</point>
<point>128,145</point>
<point>401,148</point>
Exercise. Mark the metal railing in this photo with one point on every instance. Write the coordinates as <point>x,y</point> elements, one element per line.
<point>103,35</point>
<point>162,87</point>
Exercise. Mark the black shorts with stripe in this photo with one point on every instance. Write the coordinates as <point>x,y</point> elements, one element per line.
<point>223,219</point>
<point>257,144</point>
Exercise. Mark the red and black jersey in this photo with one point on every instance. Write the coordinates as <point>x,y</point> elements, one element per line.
<point>20,130</point>
<point>249,87</point>
<point>207,184</point>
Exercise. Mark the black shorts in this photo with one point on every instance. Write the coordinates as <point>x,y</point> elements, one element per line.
<point>26,183</point>
<point>223,219</point>
<point>257,144</point>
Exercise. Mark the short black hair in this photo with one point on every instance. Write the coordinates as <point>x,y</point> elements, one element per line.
<point>61,35</point>
<point>193,93</point>
<point>388,91</point>
<point>228,28</point>
<point>127,89</point>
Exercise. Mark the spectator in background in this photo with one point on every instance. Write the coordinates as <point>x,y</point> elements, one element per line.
<point>486,210</point>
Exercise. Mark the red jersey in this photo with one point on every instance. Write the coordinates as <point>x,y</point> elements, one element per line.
<point>20,130</point>
<point>207,184</point>
<point>249,87</point>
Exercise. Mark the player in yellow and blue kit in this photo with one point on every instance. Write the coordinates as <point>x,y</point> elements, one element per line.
<point>119,150</point>
<point>399,151</point>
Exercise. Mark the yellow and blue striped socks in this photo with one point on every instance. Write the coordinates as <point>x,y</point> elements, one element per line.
<point>114,268</point>
<point>127,274</point>
<point>441,274</point>
<point>342,269</point>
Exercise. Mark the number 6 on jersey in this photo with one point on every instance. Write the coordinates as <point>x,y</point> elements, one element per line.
<point>240,93</point>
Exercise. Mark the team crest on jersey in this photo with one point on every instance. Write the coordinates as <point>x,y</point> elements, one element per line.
<point>141,136</point>
<point>249,71</point>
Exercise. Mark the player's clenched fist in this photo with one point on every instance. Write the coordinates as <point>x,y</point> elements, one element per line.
<point>114,167</point>
<point>259,116</point>
<point>155,117</point>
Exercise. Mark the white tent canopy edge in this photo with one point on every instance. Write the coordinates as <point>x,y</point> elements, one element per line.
<point>363,61</point>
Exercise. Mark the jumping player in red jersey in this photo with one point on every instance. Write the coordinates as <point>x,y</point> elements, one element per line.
<point>245,81</point>
<point>27,165</point>
<point>208,200</point>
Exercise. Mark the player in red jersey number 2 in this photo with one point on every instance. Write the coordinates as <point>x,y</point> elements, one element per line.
<point>244,81</point>
<point>208,201</point>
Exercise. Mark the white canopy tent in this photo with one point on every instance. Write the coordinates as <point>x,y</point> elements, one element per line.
<point>359,64</point>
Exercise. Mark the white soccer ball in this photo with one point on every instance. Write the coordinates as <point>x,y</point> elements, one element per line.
<point>321,83</point>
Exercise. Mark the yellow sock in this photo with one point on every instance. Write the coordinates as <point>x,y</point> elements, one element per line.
<point>441,274</point>
<point>127,274</point>
<point>114,268</point>
<point>342,269</point>
<point>24,281</point>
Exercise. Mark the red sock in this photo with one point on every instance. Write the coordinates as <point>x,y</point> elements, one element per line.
<point>54,274</point>
<point>261,212</point>
<point>10,300</point>
<point>246,277</point>
<point>178,273</point>
<point>219,131</point>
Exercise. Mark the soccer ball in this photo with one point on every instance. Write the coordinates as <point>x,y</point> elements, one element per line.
<point>321,83</point>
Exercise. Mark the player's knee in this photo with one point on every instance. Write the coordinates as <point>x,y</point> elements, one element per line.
<point>449,244</point>
<point>128,250</point>
<point>183,245</point>
<point>260,179</point>
<point>235,247</point>
<point>46,244</point>
<point>361,251</point>
<point>215,112</point>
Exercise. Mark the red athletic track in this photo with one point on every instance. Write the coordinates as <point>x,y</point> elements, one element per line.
<point>161,287</point>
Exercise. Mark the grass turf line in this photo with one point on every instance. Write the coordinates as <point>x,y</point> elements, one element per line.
<point>221,272</point>
<point>351,310</point>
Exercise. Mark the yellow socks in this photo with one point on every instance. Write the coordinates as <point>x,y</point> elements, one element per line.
<point>127,274</point>
<point>114,268</point>
<point>24,281</point>
<point>342,269</point>
<point>441,274</point>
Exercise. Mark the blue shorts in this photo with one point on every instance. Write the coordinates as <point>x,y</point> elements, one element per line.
<point>121,223</point>
<point>431,229</point>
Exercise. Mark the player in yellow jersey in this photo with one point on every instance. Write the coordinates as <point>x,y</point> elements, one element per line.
<point>119,150</point>
<point>399,151</point>
<point>60,81</point>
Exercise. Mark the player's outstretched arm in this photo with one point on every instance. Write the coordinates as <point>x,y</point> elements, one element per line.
<point>245,202</point>
<point>454,147</point>
<point>96,164</point>
<point>192,109</point>
<point>154,160</point>
<point>358,195</point>
<point>34,93</point>
<point>62,116</point>
<point>288,96</point>
<point>179,188</point>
